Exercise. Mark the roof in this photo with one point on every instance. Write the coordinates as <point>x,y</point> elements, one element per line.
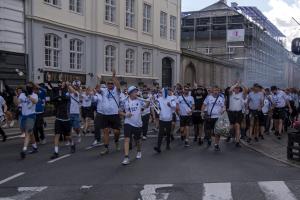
<point>257,16</point>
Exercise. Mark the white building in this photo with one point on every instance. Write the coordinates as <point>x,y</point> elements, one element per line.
<point>12,42</point>
<point>82,38</point>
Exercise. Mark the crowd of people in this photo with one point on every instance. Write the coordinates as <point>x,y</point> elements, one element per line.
<point>105,109</point>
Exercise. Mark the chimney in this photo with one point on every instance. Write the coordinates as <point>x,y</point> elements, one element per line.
<point>224,1</point>
<point>234,4</point>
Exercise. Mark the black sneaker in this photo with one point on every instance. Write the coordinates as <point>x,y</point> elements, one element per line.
<point>209,143</point>
<point>186,144</point>
<point>33,151</point>
<point>54,156</point>
<point>276,133</point>
<point>182,138</point>
<point>23,154</point>
<point>279,137</point>
<point>238,145</point>
<point>200,142</point>
<point>195,139</point>
<point>262,137</point>
<point>249,140</point>
<point>217,147</point>
<point>256,139</point>
<point>73,148</point>
<point>4,138</point>
<point>157,149</point>
<point>172,137</point>
<point>228,139</point>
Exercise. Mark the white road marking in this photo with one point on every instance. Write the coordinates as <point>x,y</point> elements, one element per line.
<point>94,146</point>
<point>149,192</point>
<point>59,158</point>
<point>32,189</point>
<point>217,191</point>
<point>86,187</point>
<point>12,177</point>
<point>276,190</point>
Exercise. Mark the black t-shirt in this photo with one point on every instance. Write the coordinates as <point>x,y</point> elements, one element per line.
<point>199,99</point>
<point>62,106</point>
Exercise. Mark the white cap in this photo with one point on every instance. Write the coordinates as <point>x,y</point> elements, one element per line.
<point>131,89</point>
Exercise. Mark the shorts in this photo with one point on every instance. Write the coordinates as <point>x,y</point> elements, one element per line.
<point>174,118</point>
<point>235,117</point>
<point>62,127</point>
<point>75,120</point>
<point>112,121</point>
<point>263,120</point>
<point>130,131</point>
<point>185,121</point>
<point>210,123</point>
<point>87,112</point>
<point>254,114</point>
<point>27,123</point>
<point>197,118</point>
<point>279,113</point>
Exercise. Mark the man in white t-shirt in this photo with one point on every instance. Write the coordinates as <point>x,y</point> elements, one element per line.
<point>280,101</point>
<point>111,117</point>
<point>132,111</point>
<point>236,103</point>
<point>186,106</point>
<point>27,101</point>
<point>214,106</point>
<point>166,106</point>
<point>2,118</point>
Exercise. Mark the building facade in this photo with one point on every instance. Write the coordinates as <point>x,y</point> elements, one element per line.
<point>238,34</point>
<point>12,43</point>
<point>81,39</point>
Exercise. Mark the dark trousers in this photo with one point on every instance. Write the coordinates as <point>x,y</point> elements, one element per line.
<point>2,132</point>
<point>98,127</point>
<point>164,130</point>
<point>38,129</point>
<point>145,120</point>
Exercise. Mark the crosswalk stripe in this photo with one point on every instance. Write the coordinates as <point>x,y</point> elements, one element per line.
<point>12,177</point>
<point>217,191</point>
<point>276,190</point>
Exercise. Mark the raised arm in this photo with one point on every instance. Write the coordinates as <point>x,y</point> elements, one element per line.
<point>116,81</point>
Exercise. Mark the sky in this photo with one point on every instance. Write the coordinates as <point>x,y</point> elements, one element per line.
<point>279,12</point>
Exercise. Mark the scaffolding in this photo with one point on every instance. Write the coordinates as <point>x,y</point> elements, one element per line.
<point>262,53</point>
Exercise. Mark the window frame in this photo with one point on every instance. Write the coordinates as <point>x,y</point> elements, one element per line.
<point>113,58</point>
<point>148,64</point>
<point>163,25</point>
<point>78,54</point>
<point>130,11</point>
<point>108,14</point>
<point>130,61</point>
<point>173,28</point>
<point>54,53</point>
<point>75,6</point>
<point>147,19</point>
<point>51,3</point>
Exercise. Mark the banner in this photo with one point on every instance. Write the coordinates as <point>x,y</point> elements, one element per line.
<point>236,35</point>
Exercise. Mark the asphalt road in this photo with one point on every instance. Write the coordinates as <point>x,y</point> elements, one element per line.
<point>183,173</point>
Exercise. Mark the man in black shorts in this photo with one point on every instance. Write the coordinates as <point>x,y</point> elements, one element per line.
<point>62,117</point>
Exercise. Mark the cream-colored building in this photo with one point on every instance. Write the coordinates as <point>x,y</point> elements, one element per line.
<point>82,38</point>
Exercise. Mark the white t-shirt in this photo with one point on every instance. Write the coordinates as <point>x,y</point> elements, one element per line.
<point>279,99</point>
<point>28,108</point>
<point>135,108</point>
<point>166,112</point>
<point>147,110</point>
<point>2,103</point>
<point>111,101</point>
<point>98,98</point>
<point>184,109</point>
<point>255,100</point>
<point>267,106</point>
<point>75,103</point>
<point>236,101</point>
<point>174,98</point>
<point>214,111</point>
<point>86,100</point>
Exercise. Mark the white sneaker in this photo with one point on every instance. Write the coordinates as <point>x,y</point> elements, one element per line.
<point>144,138</point>
<point>43,141</point>
<point>126,161</point>
<point>22,135</point>
<point>67,143</point>
<point>95,143</point>
<point>12,123</point>
<point>139,155</point>
<point>4,126</point>
<point>79,138</point>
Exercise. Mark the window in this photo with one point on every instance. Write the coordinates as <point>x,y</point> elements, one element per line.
<point>130,16</point>
<point>208,51</point>
<point>147,18</point>
<point>52,50</point>
<point>110,10</point>
<point>75,5</point>
<point>146,63</point>
<point>52,2</point>
<point>129,59</point>
<point>163,24</point>
<point>76,54</point>
<point>173,25</point>
<point>110,58</point>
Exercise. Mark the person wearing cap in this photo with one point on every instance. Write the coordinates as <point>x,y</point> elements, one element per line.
<point>279,100</point>
<point>132,112</point>
<point>111,117</point>
<point>237,96</point>
<point>186,105</point>
<point>166,106</point>
<point>255,104</point>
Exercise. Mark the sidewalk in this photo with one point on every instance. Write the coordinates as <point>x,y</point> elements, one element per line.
<point>273,148</point>
<point>16,130</point>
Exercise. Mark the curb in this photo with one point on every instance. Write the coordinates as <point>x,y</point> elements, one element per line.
<point>269,156</point>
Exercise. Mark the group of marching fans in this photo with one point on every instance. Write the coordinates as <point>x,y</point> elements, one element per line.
<point>252,113</point>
